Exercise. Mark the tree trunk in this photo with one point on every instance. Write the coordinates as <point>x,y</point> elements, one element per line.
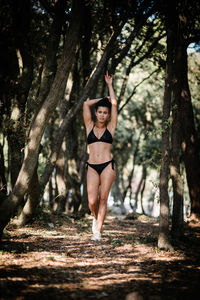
<point>139,189</point>
<point>117,194</point>
<point>50,65</point>
<point>50,190</point>
<point>177,217</point>
<point>163,238</point>
<point>18,123</point>
<point>73,182</point>
<point>84,208</point>
<point>31,203</point>
<point>60,180</point>
<point>125,82</point>
<point>130,177</point>
<point>86,42</point>
<point>37,129</point>
<point>144,176</point>
<point>3,182</point>
<point>190,145</point>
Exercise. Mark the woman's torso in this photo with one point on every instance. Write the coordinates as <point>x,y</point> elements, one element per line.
<point>99,147</point>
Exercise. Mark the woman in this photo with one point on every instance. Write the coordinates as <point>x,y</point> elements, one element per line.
<point>100,166</point>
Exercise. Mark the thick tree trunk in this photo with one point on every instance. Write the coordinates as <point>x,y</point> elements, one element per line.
<point>17,124</point>
<point>86,43</point>
<point>31,203</point>
<point>163,239</point>
<point>37,129</point>
<point>50,65</point>
<point>73,181</point>
<point>190,146</point>
<point>16,144</point>
<point>177,217</point>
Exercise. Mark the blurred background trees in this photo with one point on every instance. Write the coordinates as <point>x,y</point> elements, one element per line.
<point>54,55</point>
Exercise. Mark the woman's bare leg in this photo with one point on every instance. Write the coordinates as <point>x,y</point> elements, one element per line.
<point>93,181</point>
<point>106,180</point>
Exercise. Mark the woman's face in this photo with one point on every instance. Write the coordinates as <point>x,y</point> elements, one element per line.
<point>102,114</point>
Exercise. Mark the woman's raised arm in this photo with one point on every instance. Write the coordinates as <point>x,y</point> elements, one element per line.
<point>87,116</point>
<point>113,100</point>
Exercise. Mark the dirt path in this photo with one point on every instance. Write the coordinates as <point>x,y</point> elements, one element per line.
<point>55,259</point>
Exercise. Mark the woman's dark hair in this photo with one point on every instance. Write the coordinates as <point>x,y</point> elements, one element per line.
<point>103,102</point>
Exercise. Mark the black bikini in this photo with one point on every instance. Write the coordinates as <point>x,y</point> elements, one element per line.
<point>105,138</point>
<point>100,167</point>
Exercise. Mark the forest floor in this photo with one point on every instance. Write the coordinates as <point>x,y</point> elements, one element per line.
<point>54,258</point>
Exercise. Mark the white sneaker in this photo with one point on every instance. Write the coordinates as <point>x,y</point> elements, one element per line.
<point>96,236</point>
<point>94,225</point>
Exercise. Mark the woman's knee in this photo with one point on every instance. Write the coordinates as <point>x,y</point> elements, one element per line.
<point>92,203</point>
<point>103,200</point>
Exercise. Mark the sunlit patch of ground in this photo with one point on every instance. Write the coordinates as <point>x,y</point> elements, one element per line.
<point>57,260</point>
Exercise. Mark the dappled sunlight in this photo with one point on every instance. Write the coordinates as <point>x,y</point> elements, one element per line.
<point>60,257</point>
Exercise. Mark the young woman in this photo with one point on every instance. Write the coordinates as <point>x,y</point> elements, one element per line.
<point>100,166</point>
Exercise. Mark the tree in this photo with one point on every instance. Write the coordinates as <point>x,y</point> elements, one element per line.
<point>185,33</point>
<point>8,207</point>
<point>16,52</point>
<point>177,216</point>
<point>164,239</point>
<point>183,127</point>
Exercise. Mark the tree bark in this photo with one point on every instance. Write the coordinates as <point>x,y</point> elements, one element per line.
<point>50,65</point>
<point>130,177</point>
<point>37,128</point>
<point>117,193</point>
<point>17,123</point>
<point>60,180</point>
<point>144,176</point>
<point>138,191</point>
<point>177,216</point>
<point>187,132</point>
<point>3,182</point>
<point>190,145</point>
<point>86,42</point>
<point>31,203</point>
<point>163,238</point>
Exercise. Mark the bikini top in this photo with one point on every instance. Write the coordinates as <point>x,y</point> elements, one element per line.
<point>105,138</point>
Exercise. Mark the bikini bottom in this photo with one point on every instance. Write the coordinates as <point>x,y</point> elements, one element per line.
<point>100,167</point>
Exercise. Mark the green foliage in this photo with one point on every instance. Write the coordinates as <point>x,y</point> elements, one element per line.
<point>131,238</point>
<point>83,225</point>
<point>51,258</point>
<point>146,238</point>
<point>117,242</point>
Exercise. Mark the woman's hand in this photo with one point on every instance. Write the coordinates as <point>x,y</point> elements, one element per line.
<point>108,79</point>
